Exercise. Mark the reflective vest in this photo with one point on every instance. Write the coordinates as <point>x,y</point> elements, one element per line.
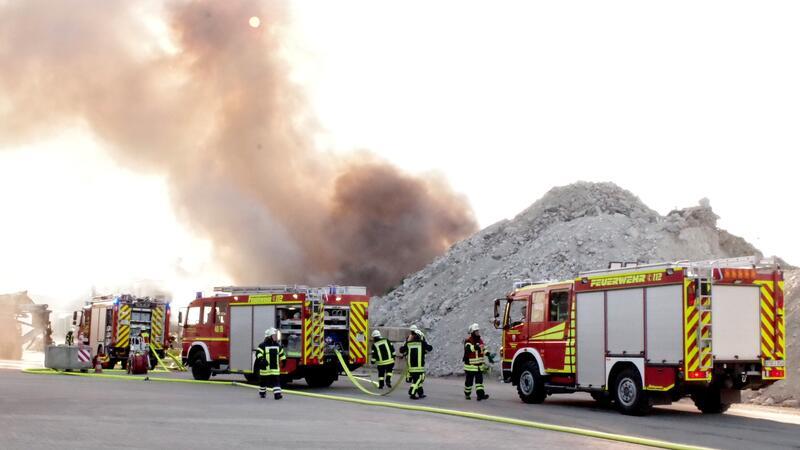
<point>383,352</point>
<point>473,356</point>
<point>416,357</point>
<point>270,357</point>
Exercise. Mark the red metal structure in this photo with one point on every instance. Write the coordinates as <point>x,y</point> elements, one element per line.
<point>221,331</point>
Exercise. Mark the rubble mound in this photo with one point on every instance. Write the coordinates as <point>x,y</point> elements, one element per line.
<point>572,228</point>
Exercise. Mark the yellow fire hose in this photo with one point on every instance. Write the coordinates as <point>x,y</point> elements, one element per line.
<point>160,362</point>
<point>176,360</point>
<point>354,379</point>
<point>403,406</point>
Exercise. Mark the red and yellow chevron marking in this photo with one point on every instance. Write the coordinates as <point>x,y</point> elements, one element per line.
<point>695,358</point>
<point>157,327</point>
<point>773,327</point>
<point>123,330</point>
<point>313,335</point>
<point>358,331</point>
<point>318,334</point>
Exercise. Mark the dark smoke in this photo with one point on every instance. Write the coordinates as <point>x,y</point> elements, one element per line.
<point>221,120</point>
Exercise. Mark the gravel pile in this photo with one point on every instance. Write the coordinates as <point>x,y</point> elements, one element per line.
<point>572,228</point>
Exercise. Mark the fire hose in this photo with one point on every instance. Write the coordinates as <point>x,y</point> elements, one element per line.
<point>403,406</point>
<point>353,379</point>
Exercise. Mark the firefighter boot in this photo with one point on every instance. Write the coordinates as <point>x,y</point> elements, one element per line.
<point>380,383</point>
<point>482,396</point>
<point>411,394</point>
<point>421,393</point>
<point>389,380</point>
<point>262,394</point>
<point>278,396</point>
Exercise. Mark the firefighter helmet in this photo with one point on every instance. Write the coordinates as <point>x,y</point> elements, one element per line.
<point>269,332</point>
<point>376,334</point>
<point>473,328</point>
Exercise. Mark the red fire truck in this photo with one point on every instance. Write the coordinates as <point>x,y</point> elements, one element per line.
<point>220,332</point>
<point>109,322</point>
<point>641,335</point>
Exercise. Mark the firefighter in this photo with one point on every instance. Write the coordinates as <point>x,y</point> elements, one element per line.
<point>270,357</point>
<point>383,357</point>
<point>415,329</point>
<point>416,347</point>
<point>474,363</point>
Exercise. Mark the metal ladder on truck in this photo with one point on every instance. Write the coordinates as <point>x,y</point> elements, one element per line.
<point>318,323</point>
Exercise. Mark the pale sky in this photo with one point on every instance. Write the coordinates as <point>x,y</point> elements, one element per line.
<point>674,101</point>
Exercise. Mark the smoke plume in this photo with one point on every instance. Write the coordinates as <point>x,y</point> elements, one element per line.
<point>189,90</point>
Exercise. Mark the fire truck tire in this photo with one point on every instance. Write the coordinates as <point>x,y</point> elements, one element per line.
<point>200,368</point>
<point>709,401</point>
<point>603,399</point>
<point>630,397</point>
<point>320,378</point>
<point>530,386</point>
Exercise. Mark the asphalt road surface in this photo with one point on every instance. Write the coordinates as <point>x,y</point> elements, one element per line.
<point>45,411</point>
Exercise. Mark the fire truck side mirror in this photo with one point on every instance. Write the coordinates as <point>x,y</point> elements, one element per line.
<point>74,317</point>
<point>180,318</point>
<point>496,321</point>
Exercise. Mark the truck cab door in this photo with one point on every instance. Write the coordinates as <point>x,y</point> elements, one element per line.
<point>556,329</point>
<point>515,330</point>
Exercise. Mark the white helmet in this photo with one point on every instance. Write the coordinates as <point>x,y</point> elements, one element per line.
<point>473,328</point>
<point>269,332</point>
<point>376,334</point>
<point>413,328</point>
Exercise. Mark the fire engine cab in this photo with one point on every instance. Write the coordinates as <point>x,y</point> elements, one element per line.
<point>639,335</point>
<point>220,332</point>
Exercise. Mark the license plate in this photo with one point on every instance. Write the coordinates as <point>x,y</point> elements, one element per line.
<point>775,362</point>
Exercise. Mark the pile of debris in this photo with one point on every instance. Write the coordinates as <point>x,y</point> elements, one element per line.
<point>24,325</point>
<point>572,228</point>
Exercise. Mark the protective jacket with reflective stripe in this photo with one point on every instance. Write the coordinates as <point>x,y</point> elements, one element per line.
<point>416,351</point>
<point>270,357</point>
<point>473,354</point>
<point>382,352</point>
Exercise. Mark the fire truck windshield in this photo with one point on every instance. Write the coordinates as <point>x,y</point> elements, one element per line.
<point>517,312</point>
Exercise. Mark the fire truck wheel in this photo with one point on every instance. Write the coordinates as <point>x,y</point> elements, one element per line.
<point>320,378</point>
<point>631,399</point>
<point>709,401</point>
<point>530,386</point>
<point>200,368</point>
<point>603,399</point>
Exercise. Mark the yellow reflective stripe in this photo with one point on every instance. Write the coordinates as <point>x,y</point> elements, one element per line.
<point>558,329</point>
<point>768,310</point>
<point>659,388</point>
